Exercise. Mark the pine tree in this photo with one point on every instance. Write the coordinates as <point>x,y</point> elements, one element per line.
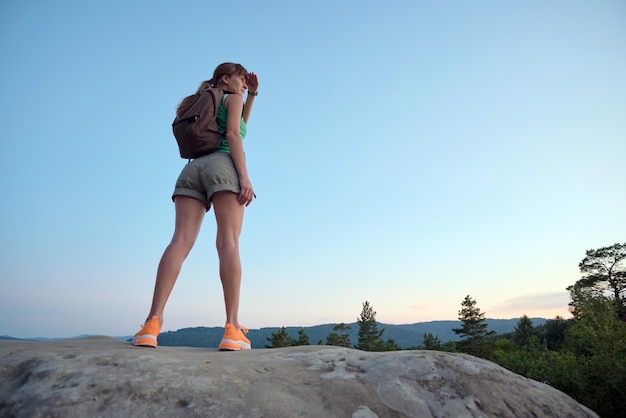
<point>280,338</point>
<point>473,331</point>
<point>370,339</point>
<point>389,345</point>
<point>604,272</point>
<point>523,331</point>
<point>339,337</point>
<point>303,338</point>
<point>431,342</point>
<point>555,332</point>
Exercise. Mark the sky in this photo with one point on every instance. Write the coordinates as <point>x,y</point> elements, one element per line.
<point>404,153</point>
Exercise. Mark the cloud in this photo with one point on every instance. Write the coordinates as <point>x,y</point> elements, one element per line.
<point>541,304</point>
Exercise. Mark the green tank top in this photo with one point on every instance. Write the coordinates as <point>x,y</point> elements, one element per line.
<point>221,125</point>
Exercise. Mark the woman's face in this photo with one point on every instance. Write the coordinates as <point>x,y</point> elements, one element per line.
<point>235,83</point>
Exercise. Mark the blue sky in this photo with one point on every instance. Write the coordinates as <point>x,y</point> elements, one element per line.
<point>407,153</point>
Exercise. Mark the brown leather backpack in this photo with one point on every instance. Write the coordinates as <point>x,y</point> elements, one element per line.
<point>196,130</point>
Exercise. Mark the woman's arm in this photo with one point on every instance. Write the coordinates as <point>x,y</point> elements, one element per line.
<point>253,89</point>
<point>234,105</point>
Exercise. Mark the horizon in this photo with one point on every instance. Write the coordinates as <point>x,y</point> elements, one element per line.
<point>407,155</point>
<point>261,328</point>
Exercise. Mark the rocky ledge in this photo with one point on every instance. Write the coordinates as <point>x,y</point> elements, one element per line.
<point>105,377</point>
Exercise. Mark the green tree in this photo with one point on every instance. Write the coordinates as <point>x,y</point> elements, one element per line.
<point>449,346</point>
<point>584,357</point>
<point>280,338</point>
<point>303,338</point>
<point>431,342</point>
<point>389,345</point>
<point>370,339</point>
<point>603,271</point>
<point>598,339</point>
<point>559,369</point>
<point>339,336</point>
<point>523,331</point>
<point>555,332</point>
<point>503,345</point>
<point>473,331</point>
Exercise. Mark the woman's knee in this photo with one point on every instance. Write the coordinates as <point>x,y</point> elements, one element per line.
<point>182,244</point>
<point>225,244</point>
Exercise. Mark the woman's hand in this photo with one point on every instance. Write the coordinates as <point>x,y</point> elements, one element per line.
<point>247,192</point>
<point>253,82</point>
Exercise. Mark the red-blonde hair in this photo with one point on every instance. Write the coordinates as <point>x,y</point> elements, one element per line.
<point>224,69</point>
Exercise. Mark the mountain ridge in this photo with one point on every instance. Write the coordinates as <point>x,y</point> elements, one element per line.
<point>405,335</point>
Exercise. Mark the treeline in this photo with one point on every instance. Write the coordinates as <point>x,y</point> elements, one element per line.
<point>584,356</point>
<point>369,337</point>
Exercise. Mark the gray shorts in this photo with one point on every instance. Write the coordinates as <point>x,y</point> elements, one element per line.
<point>206,175</point>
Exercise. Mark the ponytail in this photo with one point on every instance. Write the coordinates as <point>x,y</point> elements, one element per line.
<point>205,85</point>
<point>189,100</point>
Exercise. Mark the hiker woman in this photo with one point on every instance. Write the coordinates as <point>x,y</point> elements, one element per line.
<point>219,179</point>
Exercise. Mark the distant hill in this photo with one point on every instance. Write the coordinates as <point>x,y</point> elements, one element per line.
<point>406,336</point>
<point>6,337</point>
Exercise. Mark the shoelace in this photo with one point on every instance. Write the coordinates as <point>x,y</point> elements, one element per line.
<point>146,323</point>
<point>243,329</point>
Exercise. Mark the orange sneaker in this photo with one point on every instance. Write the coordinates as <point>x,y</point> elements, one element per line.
<point>147,335</point>
<point>234,339</point>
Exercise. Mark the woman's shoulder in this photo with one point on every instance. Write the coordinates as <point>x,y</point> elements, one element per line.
<point>232,99</point>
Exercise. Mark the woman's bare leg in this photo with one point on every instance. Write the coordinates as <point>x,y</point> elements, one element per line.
<point>189,215</point>
<point>229,217</point>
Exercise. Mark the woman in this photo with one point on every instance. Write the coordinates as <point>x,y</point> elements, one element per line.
<point>219,179</point>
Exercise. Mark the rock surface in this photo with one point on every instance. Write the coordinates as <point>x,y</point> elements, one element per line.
<point>105,377</point>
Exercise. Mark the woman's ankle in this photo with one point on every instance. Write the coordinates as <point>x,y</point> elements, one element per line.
<point>159,319</point>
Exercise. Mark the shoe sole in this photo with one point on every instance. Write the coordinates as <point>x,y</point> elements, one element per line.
<point>234,345</point>
<point>145,341</point>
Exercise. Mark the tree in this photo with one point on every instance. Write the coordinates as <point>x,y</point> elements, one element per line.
<point>523,331</point>
<point>473,331</point>
<point>370,338</point>
<point>561,369</point>
<point>339,336</point>
<point>449,346</point>
<point>556,330</point>
<point>303,338</point>
<point>280,338</point>
<point>597,339</point>
<point>389,345</point>
<point>431,342</point>
<point>603,272</point>
<point>585,356</point>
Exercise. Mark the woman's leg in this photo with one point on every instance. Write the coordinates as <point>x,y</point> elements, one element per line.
<point>189,215</point>
<point>229,217</point>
